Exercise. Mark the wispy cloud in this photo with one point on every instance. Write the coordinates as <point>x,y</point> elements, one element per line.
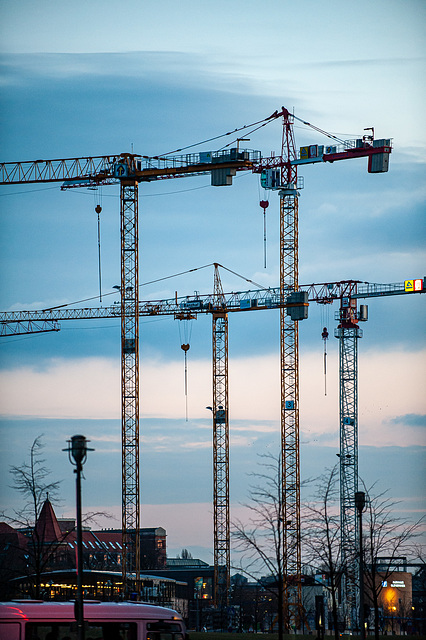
<point>410,420</point>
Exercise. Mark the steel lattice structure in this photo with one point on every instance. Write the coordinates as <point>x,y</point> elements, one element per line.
<point>289,349</point>
<point>221,518</point>
<point>348,418</point>
<point>130,379</point>
<point>348,333</point>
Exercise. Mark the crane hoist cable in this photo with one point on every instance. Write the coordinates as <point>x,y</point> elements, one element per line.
<point>264,204</point>
<point>185,332</point>
<point>98,209</point>
<point>324,336</point>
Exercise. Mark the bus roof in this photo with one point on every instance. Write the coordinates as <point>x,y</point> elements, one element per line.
<point>93,610</point>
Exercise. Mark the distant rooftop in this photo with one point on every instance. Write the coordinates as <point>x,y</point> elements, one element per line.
<point>185,562</point>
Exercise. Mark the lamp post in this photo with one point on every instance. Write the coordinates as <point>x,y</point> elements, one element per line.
<point>360,504</point>
<point>77,453</point>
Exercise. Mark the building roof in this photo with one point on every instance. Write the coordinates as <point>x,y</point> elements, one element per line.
<point>97,541</point>
<point>47,527</point>
<point>185,563</point>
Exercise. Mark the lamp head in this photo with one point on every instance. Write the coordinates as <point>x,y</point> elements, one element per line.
<point>360,500</point>
<point>77,450</point>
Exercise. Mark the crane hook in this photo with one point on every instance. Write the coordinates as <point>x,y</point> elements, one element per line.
<point>324,336</point>
<point>264,204</point>
<point>185,349</point>
<point>98,210</point>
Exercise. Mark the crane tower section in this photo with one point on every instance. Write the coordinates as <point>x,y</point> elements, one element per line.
<point>348,333</point>
<point>221,524</point>
<point>130,379</point>
<point>289,349</point>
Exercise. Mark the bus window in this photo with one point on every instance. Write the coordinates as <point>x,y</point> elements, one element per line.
<point>163,630</point>
<point>93,631</point>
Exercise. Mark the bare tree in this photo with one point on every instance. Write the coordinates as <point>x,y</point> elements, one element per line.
<point>31,479</point>
<point>385,538</point>
<point>260,542</point>
<point>322,537</point>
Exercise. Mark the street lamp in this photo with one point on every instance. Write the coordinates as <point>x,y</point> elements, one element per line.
<point>360,504</point>
<point>77,453</point>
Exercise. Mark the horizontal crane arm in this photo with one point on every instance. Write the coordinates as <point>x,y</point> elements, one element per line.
<point>23,327</point>
<point>109,169</point>
<point>190,306</point>
<point>91,168</point>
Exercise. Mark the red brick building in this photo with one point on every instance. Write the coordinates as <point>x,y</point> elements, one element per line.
<point>52,545</point>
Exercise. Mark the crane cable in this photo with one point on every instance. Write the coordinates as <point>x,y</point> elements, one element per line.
<point>185,345</point>
<point>324,336</point>
<point>325,317</point>
<point>143,284</point>
<point>98,209</point>
<point>256,284</point>
<point>325,133</point>
<point>262,122</point>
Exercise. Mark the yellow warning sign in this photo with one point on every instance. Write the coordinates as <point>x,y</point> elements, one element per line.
<point>409,285</point>
<point>413,285</point>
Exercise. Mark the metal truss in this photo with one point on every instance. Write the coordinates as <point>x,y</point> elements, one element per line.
<point>289,348</point>
<point>290,412</point>
<point>220,451</point>
<point>21,327</point>
<point>348,334</point>
<point>130,380</point>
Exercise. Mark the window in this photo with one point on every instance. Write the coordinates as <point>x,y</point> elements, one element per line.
<point>163,631</point>
<point>93,630</point>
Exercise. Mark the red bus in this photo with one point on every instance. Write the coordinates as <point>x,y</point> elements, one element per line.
<point>39,620</point>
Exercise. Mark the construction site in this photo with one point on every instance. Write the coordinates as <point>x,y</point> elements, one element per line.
<point>343,304</point>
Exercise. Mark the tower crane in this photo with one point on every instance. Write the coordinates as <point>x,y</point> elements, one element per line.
<point>285,181</point>
<point>348,332</point>
<point>277,172</point>
<point>129,170</point>
<point>219,305</point>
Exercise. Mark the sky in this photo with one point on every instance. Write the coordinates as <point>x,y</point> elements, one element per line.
<point>82,79</point>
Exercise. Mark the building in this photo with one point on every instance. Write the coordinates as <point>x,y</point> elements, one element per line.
<point>395,600</point>
<point>194,580</point>
<point>51,546</point>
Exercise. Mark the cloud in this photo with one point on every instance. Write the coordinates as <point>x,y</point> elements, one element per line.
<point>365,62</point>
<point>410,419</point>
<point>89,388</point>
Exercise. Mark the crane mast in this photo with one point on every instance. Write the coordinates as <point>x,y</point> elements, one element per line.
<point>348,334</point>
<point>130,379</point>
<point>221,517</point>
<point>289,350</point>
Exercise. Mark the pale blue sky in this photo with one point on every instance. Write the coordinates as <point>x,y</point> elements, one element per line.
<point>93,78</point>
